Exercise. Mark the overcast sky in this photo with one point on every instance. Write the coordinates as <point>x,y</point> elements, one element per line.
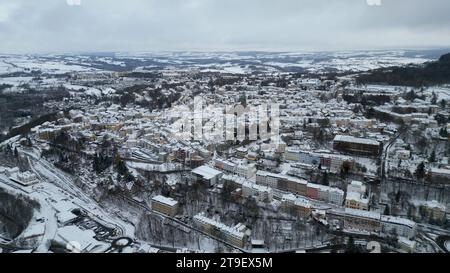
<point>276,25</point>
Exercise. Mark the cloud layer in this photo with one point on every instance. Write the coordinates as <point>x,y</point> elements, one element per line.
<point>150,25</point>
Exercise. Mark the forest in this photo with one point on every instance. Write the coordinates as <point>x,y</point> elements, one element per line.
<point>432,73</point>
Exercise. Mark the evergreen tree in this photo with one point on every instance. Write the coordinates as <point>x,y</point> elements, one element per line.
<point>95,164</point>
<point>325,180</point>
<point>432,157</point>
<point>443,132</point>
<point>345,169</point>
<point>251,208</point>
<point>397,197</point>
<point>387,211</point>
<point>243,100</point>
<point>434,98</point>
<point>228,188</point>
<point>9,150</point>
<point>351,247</point>
<point>410,212</point>
<point>420,171</point>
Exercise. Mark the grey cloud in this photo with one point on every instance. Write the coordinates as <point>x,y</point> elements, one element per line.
<point>146,25</point>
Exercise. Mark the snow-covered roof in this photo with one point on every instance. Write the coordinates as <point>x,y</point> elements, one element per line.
<point>362,213</point>
<point>65,216</point>
<point>224,228</point>
<point>440,171</point>
<point>165,200</point>
<point>357,183</point>
<point>398,220</point>
<point>351,139</point>
<point>322,188</point>
<point>257,242</point>
<point>356,196</point>
<point>281,176</point>
<point>206,172</point>
<point>256,187</point>
<point>335,190</point>
<point>297,200</point>
<point>435,204</point>
<point>84,239</point>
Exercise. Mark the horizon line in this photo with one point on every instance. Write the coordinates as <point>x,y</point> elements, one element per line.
<point>81,52</point>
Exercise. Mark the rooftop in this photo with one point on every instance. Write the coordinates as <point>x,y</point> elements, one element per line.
<point>224,228</point>
<point>165,200</point>
<point>351,139</point>
<point>398,220</point>
<point>206,172</point>
<point>362,213</point>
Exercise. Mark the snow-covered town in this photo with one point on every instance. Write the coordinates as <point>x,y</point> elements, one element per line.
<point>221,152</point>
<point>224,135</point>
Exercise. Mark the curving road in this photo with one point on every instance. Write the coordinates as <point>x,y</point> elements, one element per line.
<point>47,172</point>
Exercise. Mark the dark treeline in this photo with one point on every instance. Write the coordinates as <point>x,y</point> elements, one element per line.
<point>367,99</point>
<point>157,98</point>
<point>16,211</point>
<point>25,129</point>
<point>143,75</point>
<point>432,73</point>
<point>26,104</point>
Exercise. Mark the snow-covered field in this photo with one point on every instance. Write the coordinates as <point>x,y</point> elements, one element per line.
<point>27,63</point>
<point>221,62</point>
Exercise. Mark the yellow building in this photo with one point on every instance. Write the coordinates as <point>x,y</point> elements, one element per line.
<point>234,235</point>
<point>354,200</point>
<point>165,205</point>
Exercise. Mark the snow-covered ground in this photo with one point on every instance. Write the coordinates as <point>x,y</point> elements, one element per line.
<point>61,187</point>
<point>24,63</point>
<point>221,62</point>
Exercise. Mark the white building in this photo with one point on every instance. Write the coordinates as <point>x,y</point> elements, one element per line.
<point>207,174</point>
<point>356,186</point>
<point>77,240</point>
<point>65,217</point>
<point>239,168</point>
<point>403,227</point>
<point>261,193</point>
<point>235,235</point>
<point>268,179</point>
<point>335,196</point>
<point>25,179</point>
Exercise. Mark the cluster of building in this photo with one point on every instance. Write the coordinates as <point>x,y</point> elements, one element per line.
<point>239,168</point>
<point>262,169</point>
<point>248,188</point>
<point>332,162</point>
<point>235,235</point>
<point>413,114</point>
<point>300,187</point>
<point>354,220</point>
<point>434,210</point>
